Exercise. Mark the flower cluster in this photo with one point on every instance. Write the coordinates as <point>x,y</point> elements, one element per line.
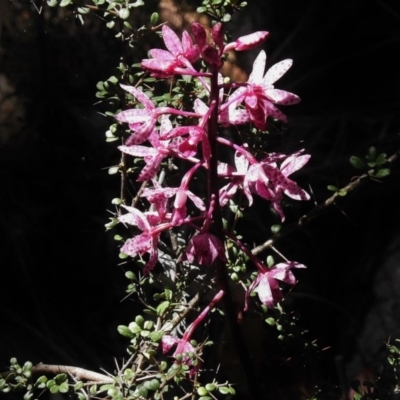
<point>158,133</point>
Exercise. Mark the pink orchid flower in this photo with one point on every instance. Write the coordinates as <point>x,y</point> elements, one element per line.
<point>146,242</point>
<point>236,177</point>
<point>267,286</point>
<point>142,121</point>
<point>153,156</point>
<point>181,194</point>
<point>259,95</point>
<point>183,345</point>
<point>270,182</point>
<point>177,60</point>
<point>159,195</point>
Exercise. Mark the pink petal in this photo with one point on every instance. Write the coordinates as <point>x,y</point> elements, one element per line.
<point>241,162</point>
<point>167,341</point>
<point>257,74</point>
<point>133,116</point>
<point>161,55</point>
<point>292,164</point>
<point>140,96</point>
<point>264,292</point>
<point>200,107</point>
<point>282,97</point>
<point>276,71</point>
<point>225,169</point>
<point>137,217</point>
<point>138,151</point>
<point>283,274</point>
<point>274,112</point>
<point>151,168</point>
<point>197,201</point>
<point>172,41</point>
<point>152,259</point>
<point>138,245</point>
<point>142,133</point>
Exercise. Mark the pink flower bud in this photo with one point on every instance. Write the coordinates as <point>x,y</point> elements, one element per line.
<point>180,199</point>
<point>247,42</point>
<point>199,34</point>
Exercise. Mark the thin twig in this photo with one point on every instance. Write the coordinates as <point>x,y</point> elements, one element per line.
<point>76,372</point>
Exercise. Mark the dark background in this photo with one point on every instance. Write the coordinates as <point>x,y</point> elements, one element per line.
<point>61,284</point>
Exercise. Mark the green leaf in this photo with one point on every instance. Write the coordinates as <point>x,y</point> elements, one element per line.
<point>138,3</point>
<point>129,274</point>
<point>93,389</point>
<point>162,307</point>
<point>123,13</point>
<point>276,228</point>
<point>371,154</point>
<point>202,391</point>
<point>83,10</point>
<point>60,378</point>
<point>332,188</point>
<point>27,365</point>
<point>54,389</point>
<point>124,331</point>
<point>381,173</point>
<point>42,379</point>
<point>139,320</point>
<point>210,387</point>
<point>129,374</point>
<point>357,163</point>
<point>270,261</point>
<point>100,85</point>
<point>201,10</point>
<point>50,383</point>
<point>113,170</point>
<point>156,336</point>
<point>154,18</point>
<point>226,18</point>
<point>110,24</point>
<point>51,3</point>
<point>64,388</point>
<point>163,365</point>
<point>65,3</point>
<point>168,294</point>
<point>128,25</point>
<point>148,325</point>
<point>224,390</point>
<point>153,385</point>
<point>381,159</point>
<point>28,395</point>
<point>134,327</point>
<point>78,386</point>
<point>143,391</point>
<point>113,79</point>
<point>234,276</point>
